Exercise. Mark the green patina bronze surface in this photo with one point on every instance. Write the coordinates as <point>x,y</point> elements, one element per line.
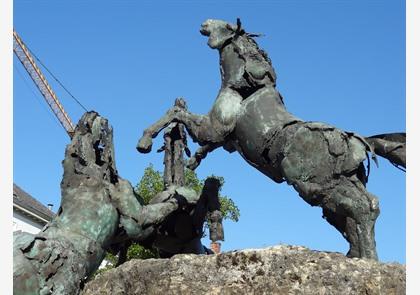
<point>98,211</point>
<point>323,163</point>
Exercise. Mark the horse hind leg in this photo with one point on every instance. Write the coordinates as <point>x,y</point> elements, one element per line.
<point>347,227</point>
<point>353,211</point>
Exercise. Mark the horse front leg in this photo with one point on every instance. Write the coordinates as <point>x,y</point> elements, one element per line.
<point>201,153</point>
<point>199,128</point>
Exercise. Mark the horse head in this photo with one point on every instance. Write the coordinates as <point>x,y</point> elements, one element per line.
<point>218,32</point>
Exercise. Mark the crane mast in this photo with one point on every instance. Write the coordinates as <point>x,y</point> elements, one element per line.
<point>25,57</point>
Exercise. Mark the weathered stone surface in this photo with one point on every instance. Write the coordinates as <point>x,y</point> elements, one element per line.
<point>275,270</point>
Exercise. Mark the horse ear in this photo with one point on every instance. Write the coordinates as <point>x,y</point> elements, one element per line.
<point>238,27</point>
<point>238,23</point>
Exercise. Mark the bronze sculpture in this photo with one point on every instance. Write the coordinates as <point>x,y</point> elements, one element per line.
<point>323,164</point>
<point>99,212</point>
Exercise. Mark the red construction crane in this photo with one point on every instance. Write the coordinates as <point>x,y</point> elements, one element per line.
<point>22,53</point>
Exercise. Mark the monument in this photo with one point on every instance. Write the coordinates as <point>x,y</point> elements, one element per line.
<point>100,211</point>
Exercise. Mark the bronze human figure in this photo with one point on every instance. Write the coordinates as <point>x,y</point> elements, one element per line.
<point>323,164</point>
<point>183,229</point>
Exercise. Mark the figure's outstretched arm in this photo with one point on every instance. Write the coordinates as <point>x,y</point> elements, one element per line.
<point>155,214</point>
<point>138,221</point>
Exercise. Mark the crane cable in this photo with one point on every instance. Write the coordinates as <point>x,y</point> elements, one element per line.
<point>36,96</point>
<point>61,84</point>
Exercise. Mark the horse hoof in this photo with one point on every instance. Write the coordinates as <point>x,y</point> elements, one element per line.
<point>144,145</point>
<point>192,163</point>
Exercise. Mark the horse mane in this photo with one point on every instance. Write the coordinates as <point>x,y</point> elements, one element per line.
<point>245,45</point>
<point>248,42</point>
<point>262,52</point>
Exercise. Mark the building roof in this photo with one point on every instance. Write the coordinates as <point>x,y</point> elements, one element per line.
<point>26,201</point>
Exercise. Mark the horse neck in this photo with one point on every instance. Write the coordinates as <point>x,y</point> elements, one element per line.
<point>231,60</point>
<point>236,57</point>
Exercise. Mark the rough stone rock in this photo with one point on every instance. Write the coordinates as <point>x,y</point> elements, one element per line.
<point>275,270</point>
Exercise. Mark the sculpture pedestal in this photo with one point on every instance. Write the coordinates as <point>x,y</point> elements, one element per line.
<point>276,270</point>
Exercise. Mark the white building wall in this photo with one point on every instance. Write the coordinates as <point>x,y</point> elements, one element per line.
<point>23,223</point>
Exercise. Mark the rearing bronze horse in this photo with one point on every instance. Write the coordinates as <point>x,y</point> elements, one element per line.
<point>323,164</point>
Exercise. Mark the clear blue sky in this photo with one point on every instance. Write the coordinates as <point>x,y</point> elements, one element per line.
<point>339,62</point>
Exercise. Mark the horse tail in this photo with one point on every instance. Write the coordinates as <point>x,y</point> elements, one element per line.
<point>391,146</point>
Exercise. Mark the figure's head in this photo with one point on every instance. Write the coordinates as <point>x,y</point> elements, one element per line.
<point>218,32</point>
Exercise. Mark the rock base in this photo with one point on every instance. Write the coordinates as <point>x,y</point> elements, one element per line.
<point>275,270</point>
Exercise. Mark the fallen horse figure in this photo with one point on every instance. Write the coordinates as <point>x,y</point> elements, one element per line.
<point>323,164</point>
<point>99,212</point>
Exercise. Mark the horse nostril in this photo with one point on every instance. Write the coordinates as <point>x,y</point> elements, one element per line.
<point>204,31</point>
